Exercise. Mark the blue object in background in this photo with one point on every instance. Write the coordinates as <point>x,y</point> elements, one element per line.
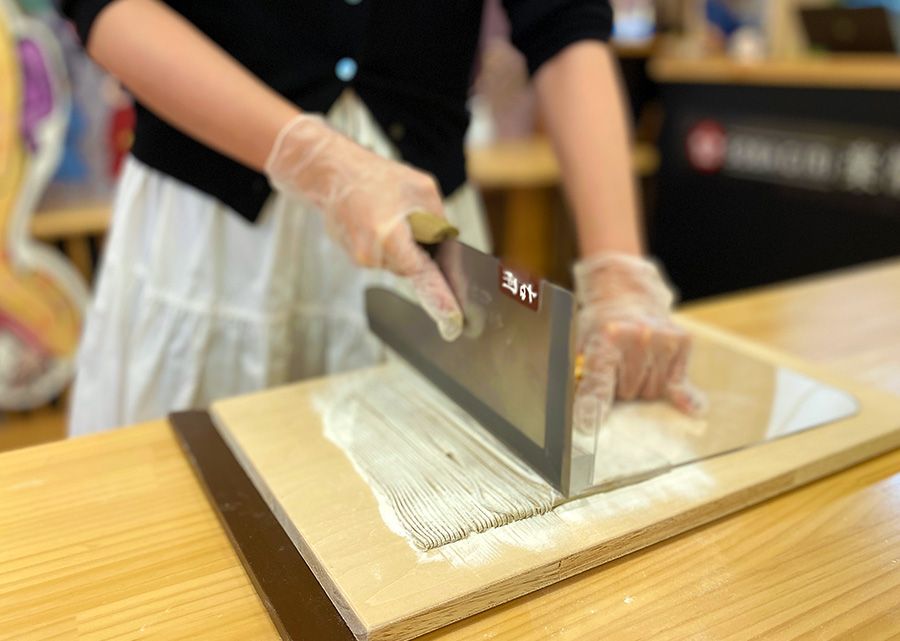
<point>72,166</point>
<point>721,15</point>
<point>634,20</point>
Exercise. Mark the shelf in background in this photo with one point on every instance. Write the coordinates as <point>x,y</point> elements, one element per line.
<point>837,71</point>
<point>66,222</point>
<point>531,163</point>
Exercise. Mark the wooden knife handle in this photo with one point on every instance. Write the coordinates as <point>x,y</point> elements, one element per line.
<point>430,229</point>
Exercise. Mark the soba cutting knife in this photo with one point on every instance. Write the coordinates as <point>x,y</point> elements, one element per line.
<point>512,369</point>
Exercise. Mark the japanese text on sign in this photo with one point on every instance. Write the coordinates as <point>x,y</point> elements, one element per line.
<point>856,162</point>
<point>519,288</point>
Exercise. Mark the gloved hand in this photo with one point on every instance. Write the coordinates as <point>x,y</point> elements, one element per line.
<point>630,347</point>
<point>365,200</point>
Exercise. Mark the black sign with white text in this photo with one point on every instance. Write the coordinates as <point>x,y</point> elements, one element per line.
<point>762,184</point>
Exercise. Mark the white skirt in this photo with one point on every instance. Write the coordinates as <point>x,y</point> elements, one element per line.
<point>193,303</point>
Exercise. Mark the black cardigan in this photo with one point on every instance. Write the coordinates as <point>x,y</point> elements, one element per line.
<point>409,60</point>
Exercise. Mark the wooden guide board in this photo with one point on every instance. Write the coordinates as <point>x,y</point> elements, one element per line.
<point>386,590</point>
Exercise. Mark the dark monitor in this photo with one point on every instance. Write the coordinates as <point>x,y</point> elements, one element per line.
<point>849,30</point>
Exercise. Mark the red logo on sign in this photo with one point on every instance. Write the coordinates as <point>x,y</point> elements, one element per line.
<point>520,288</point>
<point>707,145</point>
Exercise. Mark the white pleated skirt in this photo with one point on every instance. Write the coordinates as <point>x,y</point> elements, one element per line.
<point>193,303</point>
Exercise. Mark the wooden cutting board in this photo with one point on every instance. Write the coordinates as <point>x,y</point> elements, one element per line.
<point>387,590</point>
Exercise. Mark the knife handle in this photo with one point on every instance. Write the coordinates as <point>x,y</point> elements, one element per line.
<point>430,229</point>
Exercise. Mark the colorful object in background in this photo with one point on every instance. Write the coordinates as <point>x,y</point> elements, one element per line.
<point>736,27</point>
<point>99,134</point>
<point>722,15</point>
<point>38,96</point>
<point>635,20</point>
<point>42,297</point>
<point>121,128</point>
<point>73,167</point>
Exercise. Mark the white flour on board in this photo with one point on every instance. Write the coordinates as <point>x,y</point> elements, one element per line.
<point>437,479</point>
<point>452,491</point>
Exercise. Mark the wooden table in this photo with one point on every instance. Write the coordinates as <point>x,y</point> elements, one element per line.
<point>110,537</point>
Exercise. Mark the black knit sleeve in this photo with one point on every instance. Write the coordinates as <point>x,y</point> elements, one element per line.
<point>542,28</point>
<point>82,13</point>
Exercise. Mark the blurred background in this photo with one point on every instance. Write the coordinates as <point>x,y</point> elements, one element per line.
<point>767,144</point>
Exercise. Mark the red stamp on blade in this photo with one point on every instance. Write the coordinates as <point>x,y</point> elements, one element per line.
<point>520,288</point>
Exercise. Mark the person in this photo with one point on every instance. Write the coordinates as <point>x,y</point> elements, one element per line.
<point>279,148</point>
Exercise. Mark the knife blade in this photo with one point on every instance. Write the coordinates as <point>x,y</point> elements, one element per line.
<point>513,367</point>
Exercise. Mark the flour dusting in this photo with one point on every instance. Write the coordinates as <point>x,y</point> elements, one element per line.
<point>455,493</point>
<point>436,476</point>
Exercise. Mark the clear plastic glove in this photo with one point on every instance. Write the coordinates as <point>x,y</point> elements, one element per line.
<point>630,347</point>
<point>366,200</point>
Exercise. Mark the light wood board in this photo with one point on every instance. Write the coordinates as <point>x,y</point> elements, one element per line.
<point>384,588</point>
